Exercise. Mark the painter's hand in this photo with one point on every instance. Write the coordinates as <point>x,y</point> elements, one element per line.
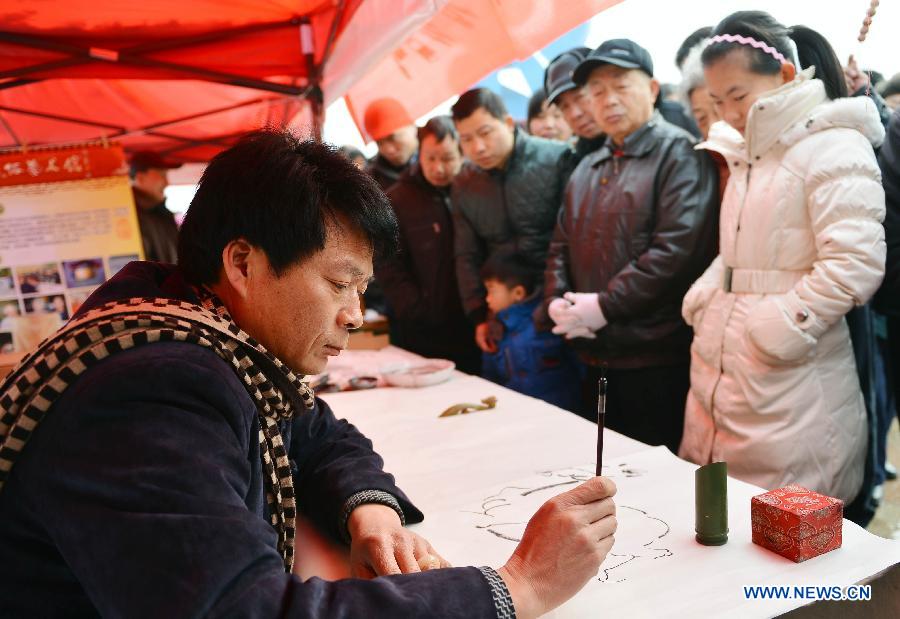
<point>483,338</point>
<point>379,545</point>
<point>564,544</point>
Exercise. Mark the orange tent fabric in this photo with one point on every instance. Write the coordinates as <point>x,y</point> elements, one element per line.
<point>177,118</point>
<point>182,77</point>
<point>186,77</point>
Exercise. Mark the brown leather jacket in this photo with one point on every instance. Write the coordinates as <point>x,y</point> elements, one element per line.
<point>638,226</point>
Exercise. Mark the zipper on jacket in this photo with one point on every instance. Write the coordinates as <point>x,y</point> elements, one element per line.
<point>617,154</point>
<point>743,204</point>
<point>721,368</point>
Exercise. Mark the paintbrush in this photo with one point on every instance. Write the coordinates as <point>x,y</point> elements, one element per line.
<point>601,417</point>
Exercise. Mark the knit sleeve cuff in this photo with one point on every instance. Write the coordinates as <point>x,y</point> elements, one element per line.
<point>503,603</point>
<point>361,498</point>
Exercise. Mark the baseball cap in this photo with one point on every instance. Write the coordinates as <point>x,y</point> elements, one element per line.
<point>623,53</point>
<point>384,116</point>
<point>144,160</point>
<point>558,76</point>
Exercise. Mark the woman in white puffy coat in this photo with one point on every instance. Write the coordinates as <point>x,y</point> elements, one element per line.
<point>774,389</point>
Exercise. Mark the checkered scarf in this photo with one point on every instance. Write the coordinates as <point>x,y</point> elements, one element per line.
<point>39,380</point>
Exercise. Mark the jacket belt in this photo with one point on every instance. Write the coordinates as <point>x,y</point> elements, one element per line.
<point>760,281</point>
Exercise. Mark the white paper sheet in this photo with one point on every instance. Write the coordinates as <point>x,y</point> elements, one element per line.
<point>450,466</point>
<point>656,568</point>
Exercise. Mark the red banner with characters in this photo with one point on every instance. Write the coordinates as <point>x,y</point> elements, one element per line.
<point>66,164</point>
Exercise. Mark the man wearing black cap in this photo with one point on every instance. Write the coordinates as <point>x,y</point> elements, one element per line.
<point>573,101</point>
<point>636,229</point>
<point>159,232</point>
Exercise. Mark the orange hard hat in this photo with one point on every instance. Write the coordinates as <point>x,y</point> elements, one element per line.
<point>384,116</point>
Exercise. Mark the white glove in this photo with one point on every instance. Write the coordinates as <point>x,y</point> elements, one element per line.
<point>566,321</point>
<point>569,321</point>
<point>581,332</point>
<point>586,305</point>
<point>559,311</point>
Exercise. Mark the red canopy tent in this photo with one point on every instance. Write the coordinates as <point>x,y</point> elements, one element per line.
<point>187,77</point>
<point>181,77</point>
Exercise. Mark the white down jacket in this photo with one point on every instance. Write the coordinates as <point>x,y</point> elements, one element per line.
<point>774,390</point>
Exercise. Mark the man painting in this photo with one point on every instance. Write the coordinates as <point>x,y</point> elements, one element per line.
<point>154,453</point>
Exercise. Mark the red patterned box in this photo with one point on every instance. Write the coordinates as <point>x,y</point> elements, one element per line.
<point>796,523</point>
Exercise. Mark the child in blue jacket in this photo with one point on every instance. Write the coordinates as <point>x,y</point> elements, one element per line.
<point>535,363</point>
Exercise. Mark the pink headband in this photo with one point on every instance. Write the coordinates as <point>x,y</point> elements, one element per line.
<point>737,38</point>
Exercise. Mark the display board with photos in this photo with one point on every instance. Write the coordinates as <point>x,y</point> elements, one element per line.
<point>67,224</point>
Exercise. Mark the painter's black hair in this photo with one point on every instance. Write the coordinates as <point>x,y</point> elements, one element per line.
<point>351,152</point>
<point>279,193</point>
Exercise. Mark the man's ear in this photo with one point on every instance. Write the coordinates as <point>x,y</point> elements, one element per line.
<point>654,88</point>
<point>237,265</point>
<point>510,122</point>
<point>518,292</point>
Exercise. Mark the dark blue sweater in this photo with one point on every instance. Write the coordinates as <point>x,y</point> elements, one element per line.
<point>141,495</point>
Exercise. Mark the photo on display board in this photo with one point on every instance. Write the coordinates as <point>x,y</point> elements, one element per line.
<point>54,304</point>
<point>39,279</point>
<point>33,304</point>
<point>7,282</point>
<point>117,262</point>
<point>84,272</point>
<point>9,310</point>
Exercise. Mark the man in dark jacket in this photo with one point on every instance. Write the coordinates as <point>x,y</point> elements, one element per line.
<point>509,198</point>
<point>389,124</point>
<point>635,231</point>
<point>154,454</point>
<point>149,179</point>
<point>419,281</point>
<point>573,101</point>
